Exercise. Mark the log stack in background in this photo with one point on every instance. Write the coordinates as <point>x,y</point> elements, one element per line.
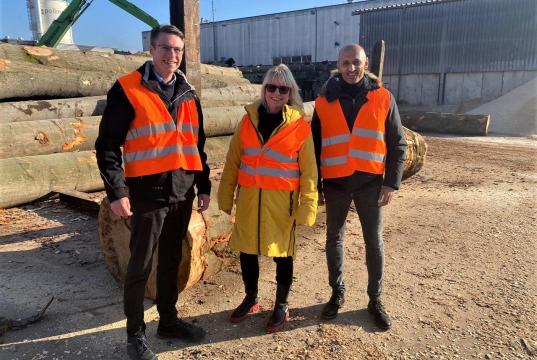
<point>47,145</point>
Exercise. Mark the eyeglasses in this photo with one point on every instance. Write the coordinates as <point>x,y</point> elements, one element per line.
<point>282,89</point>
<point>167,49</point>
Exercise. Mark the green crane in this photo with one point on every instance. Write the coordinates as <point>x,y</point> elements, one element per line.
<point>76,8</point>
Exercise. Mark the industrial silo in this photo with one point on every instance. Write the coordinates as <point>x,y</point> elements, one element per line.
<point>43,13</point>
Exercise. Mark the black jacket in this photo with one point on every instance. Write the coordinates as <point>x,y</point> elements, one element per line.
<point>171,186</point>
<point>351,99</point>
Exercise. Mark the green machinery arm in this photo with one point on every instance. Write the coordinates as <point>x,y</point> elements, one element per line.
<point>76,8</point>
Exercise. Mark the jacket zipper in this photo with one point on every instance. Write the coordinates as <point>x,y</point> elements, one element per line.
<point>291,203</point>
<point>262,142</point>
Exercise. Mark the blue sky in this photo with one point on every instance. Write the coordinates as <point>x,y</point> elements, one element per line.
<point>104,24</point>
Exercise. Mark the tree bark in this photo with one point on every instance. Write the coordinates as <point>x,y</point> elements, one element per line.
<point>207,234</point>
<point>26,179</point>
<point>51,109</point>
<point>29,138</point>
<point>446,123</point>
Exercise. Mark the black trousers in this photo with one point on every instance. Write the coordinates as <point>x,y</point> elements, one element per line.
<point>250,271</point>
<point>154,223</point>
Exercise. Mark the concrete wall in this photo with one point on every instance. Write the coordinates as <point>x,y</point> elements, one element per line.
<point>479,87</point>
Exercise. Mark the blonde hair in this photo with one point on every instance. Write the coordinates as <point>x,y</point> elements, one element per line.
<point>285,77</point>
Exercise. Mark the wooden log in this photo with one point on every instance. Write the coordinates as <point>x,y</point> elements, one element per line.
<point>45,82</point>
<point>48,73</point>
<point>446,123</point>
<point>94,105</point>
<point>238,95</point>
<point>416,152</point>
<point>207,231</point>
<point>51,109</point>
<point>29,138</point>
<point>28,178</point>
<point>185,15</point>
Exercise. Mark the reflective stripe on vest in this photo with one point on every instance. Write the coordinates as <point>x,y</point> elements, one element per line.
<point>364,149</point>
<point>275,164</point>
<point>154,143</point>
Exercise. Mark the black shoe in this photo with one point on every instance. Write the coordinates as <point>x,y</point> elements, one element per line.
<point>382,320</point>
<point>138,348</point>
<point>278,318</point>
<point>180,329</point>
<point>248,306</point>
<point>333,305</point>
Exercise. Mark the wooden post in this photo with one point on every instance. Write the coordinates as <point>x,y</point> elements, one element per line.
<point>377,59</point>
<point>185,15</point>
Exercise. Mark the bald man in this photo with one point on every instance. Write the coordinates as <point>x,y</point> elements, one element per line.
<point>360,150</point>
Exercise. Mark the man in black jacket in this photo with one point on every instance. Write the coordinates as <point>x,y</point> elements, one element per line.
<point>156,116</point>
<point>360,150</point>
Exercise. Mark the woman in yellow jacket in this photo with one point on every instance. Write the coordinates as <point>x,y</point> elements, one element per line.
<point>271,164</point>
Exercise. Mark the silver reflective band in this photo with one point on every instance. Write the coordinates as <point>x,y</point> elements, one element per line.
<point>150,130</point>
<point>189,128</point>
<point>278,156</point>
<point>160,152</point>
<point>251,151</point>
<point>338,139</point>
<point>366,155</point>
<point>379,135</point>
<point>336,160</point>
<point>281,173</point>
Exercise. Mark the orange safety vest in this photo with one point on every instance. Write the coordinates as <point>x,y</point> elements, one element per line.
<point>342,152</point>
<point>274,165</point>
<point>154,142</point>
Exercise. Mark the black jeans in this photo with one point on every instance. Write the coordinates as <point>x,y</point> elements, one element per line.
<point>154,223</point>
<point>250,271</point>
<point>338,201</point>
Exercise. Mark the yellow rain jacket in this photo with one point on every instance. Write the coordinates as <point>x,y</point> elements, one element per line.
<point>265,220</point>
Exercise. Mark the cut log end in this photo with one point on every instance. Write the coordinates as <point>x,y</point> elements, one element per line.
<point>197,258</point>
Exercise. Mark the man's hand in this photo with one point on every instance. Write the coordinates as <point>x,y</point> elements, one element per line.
<point>203,202</point>
<point>385,196</point>
<point>121,207</point>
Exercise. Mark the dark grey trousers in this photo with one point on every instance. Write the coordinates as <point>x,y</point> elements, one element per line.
<point>338,201</point>
<point>152,224</point>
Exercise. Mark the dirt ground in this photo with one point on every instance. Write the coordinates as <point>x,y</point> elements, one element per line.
<point>460,283</point>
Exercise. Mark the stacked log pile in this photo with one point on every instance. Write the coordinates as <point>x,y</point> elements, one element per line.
<point>48,145</point>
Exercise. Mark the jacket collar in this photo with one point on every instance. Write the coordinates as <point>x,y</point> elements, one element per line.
<point>290,113</point>
<point>150,81</point>
<point>332,90</point>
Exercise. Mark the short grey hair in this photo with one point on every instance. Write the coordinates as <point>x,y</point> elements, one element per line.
<point>285,77</point>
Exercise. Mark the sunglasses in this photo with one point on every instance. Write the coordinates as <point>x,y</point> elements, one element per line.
<point>282,89</point>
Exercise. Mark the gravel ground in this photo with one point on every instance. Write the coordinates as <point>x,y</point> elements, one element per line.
<point>460,277</point>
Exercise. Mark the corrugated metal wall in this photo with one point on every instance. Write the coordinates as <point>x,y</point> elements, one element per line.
<point>461,36</point>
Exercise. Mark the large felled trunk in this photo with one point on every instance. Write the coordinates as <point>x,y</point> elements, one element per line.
<point>38,72</point>
<point>25,179</point>
<point>208,232</point>
<point>446,123</point>
<point>32,110</point>
<point>29,138</point>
